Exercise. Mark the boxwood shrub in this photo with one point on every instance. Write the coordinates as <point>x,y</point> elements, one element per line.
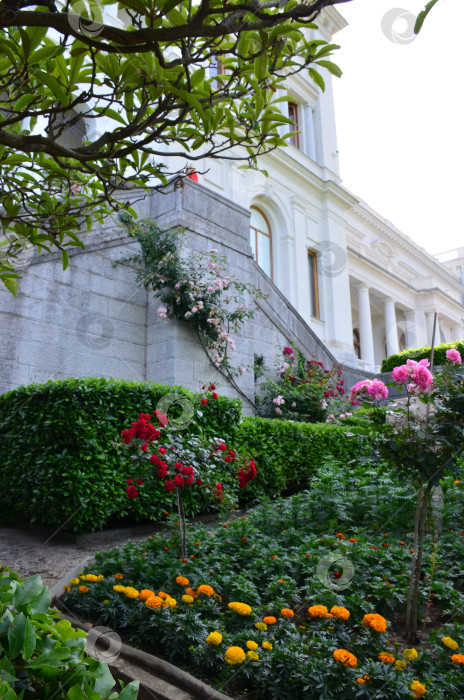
<point>59,464</point>
<point>287,453</point>
<point>389,363</point>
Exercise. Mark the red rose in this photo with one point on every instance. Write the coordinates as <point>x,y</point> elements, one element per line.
<point>178,480</point>
<point>222,447</point>
<point>161,472</point>
<point>162,451</point>
<point>129,482</point>
<point>211,387</point>
<point>144,447</point>
<point>178,465</point>
<point>132,492</point>
<point>139,482</point>
<point>204,402</point>
<point>187,471</point>
<point>228,458</point>
<point>189,480</point>
<point>199,482</point>
<point>169,486</point>
<point>215,395</point>
<point>154,459</point>
<point>219,487</point>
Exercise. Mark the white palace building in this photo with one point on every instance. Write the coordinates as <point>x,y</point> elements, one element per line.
<point>364,287</point>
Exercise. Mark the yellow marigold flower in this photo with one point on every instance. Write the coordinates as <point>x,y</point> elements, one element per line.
<point>240,608</point>
<point>74,581</point>
<point>118,576</point>
<point>119,589</point>
<point>252,655</point>
<point>267,646</point>
<point>154,602</point>
<point>450,643</point>
<point>410,654</point>
<point>214,639</point>
<point>375,622</point>
<point>458,659</point>
<point>341,613</point>
<point>286,612</point>
<point>270,620</point>
<point>146,593</point>
<point>100,577</point>
<point>418,689</point>
<point>67,588</point>
<point>234,656</point>
<point>205,590</point>
<point>169,602</point>
<point>456,483</point>
<point>400,665</point>
<point>187,598</point>
<point>83,589</point>
<point>91,577</point>
<point>318,611</point>
<point>252,645</point>
<point>182,581</point>
<point>106,602</point>
<point>345,657</point>
<point>131,592</point>
<point>386,657</point>
<point>261,626</point>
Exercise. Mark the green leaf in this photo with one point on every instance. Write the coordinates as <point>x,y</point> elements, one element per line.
<point>331,67</point>
<point>130,691</point>
<point>422,16</point>
<point>7,672</point>
<point>29,640</point>
<point>317,77</point>
<point>260,66</point>
<point>44,53</point>
<point>16,635</point>
<point>65,259</point>
<point>28,590</point>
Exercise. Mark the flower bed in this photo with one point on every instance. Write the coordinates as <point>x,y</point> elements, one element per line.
<point>295,599</point>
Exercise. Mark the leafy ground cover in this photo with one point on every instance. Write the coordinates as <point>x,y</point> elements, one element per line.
<point>272,604</point>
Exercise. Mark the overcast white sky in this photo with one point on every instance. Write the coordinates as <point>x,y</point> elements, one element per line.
<point>400,116</point>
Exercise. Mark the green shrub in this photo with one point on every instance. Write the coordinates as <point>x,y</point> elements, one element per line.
<point>41,653</point>
<point>60,465</point>
<point>288,454</point>
<point>389,363</point>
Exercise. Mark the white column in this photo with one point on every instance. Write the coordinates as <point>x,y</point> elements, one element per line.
<point>412,330</point>
<point>308,132</point>
<point>365,325</point>
<point>391,329</point>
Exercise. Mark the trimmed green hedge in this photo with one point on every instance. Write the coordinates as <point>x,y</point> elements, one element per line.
<point>287,454</point>
<point>59,465</point>
<point>389,363</point>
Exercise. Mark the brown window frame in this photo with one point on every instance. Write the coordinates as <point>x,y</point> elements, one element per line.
<point>268,234</point>
<point>314,284</point>
<point>293,114</point>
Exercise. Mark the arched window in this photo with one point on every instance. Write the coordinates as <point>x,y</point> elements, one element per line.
<point>261,240</point>
<point>356,343</point>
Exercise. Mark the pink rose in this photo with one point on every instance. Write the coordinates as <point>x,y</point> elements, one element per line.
<point>453,356</point>
<point>422,377</point>
<point>401,374</point>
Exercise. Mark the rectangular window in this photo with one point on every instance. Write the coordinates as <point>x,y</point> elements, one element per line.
<point>216,67</point>
<point>313,284</point>
<point>293,115</point>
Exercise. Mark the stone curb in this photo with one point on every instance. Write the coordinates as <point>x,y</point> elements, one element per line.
<point>58,590</point>
<point>164,669</point>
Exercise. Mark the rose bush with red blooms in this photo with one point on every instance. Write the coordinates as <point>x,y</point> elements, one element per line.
<point>306,391</point>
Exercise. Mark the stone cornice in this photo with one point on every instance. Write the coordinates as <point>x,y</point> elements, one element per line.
<point>400,240</point>
<point>330,21</point>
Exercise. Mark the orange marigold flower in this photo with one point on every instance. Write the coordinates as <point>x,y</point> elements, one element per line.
<point>403,544</point>
<point>345,657</point>
<point>118,576</point>
<point>162,594</point>
<point>182,581</point>
<point>318,611</point>
<point>375,622</point>
<point>458,659</point>
<point>386,658</point>
<point>67,588</point>
<point>205,590</point>
<point>154,602</point>
<point>418,689</point>
<point>361,681</point>
<point>286,612</point>
<point>83,589</point>
<point>352,539</point>
<point>341,613</point>
<point>340,535</point>
<point>146,593</point>
<point>269,620</point>
<point>190,591</point>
